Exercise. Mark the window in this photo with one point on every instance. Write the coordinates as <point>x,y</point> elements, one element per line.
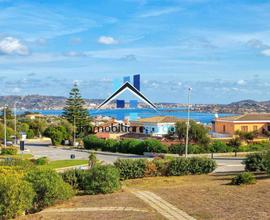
<point>224,128</point>
<point>255,128</point>
<point>244,128</point>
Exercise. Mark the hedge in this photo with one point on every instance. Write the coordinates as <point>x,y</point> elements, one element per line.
<point>131,169</point>
<point>135,146</point>
<point>138,168</point>
<point>132,146</point>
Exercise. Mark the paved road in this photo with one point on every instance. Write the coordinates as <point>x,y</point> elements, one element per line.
<point>53,153</point>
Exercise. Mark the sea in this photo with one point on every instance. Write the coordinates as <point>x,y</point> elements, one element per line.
<point>120,114</point>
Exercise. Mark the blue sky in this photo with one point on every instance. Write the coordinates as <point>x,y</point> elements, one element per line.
<point>220,48</point>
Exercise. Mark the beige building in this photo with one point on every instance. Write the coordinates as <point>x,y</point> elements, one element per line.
<point>245,123</point>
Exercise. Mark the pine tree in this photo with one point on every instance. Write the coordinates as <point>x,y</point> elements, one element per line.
<point>74,110</point>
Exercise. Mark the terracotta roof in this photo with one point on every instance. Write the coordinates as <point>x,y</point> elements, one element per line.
<point>247,117</point>
<point>160,119</point>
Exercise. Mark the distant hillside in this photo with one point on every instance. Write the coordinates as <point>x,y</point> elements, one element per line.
<point>241,107</point>
<point>40,102</point>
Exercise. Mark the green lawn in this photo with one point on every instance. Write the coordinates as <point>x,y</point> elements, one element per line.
<point>64,163</point>
<point>18,156</point>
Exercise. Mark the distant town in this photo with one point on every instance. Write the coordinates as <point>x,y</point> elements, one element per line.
<point>41,102</point>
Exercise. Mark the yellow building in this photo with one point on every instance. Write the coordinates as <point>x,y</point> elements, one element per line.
<point>245,123</point>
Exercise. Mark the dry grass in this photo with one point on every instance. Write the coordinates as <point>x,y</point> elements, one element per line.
<point>211,197</point>
<point>119,199</point>
<point>203,197</point>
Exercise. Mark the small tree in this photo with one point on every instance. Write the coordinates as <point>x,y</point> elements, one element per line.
<point>92,160</point>
<point>197,133</point>
<point>235,143</point>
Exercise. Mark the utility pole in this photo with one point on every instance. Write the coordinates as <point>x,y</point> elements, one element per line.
<point>5,126</point>
<point>188,119</point>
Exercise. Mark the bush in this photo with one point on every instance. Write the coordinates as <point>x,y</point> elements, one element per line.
<point>267,162</point>
<point>30,134</point>
<point>201,165</point>
<point>101,179</point>
<point>220,147</point>
<point>111,145</point>
<point>12,170</point>
<point>57,134</point>
<point>41,161</point>
<point>9,151</point>
<point>152,145</point>
<point>131,146</point>
<point>131,169</point>
<point>161,166</point>
<point>177,149</point>
<point>255,162</point>
<point>23,164</point>
<point>75,178</point>
<point>16,196</point>
<point>244,178</point>
<point>49,187</point>
<point>178,167</point>
<point>92,142</point>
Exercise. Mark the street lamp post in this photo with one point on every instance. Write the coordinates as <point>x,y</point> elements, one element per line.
<point>5,126</point>
<point>188,119</point>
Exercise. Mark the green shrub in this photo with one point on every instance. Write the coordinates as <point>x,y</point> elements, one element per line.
<point>24,164</point>
<point>75,178</point>
<point>49,187</point>
<point>131,169</point>
<point>178,167</point>
<point>30,134</point>
<point>111,145</point>
<point>220,147</point>
<point>244,178</point>
<point>153,145</point>
<point>267,162</point>
<point>12,170</point>
<point>177,149</point>
<point>101,179</point>
<point>255,162</point>
<point>161,166</point>
<point>41,161</point>
<point>201,165</point>
<point>9,151</point>
<point>92,142</point>
<point>16,196</point>
<point>130,146</point>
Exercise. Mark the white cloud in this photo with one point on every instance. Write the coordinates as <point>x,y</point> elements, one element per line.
<point>159,12</point>
<point>241,82</point>
<point>266,52</point>
<point>107,40</point>
<point>10,45</point>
